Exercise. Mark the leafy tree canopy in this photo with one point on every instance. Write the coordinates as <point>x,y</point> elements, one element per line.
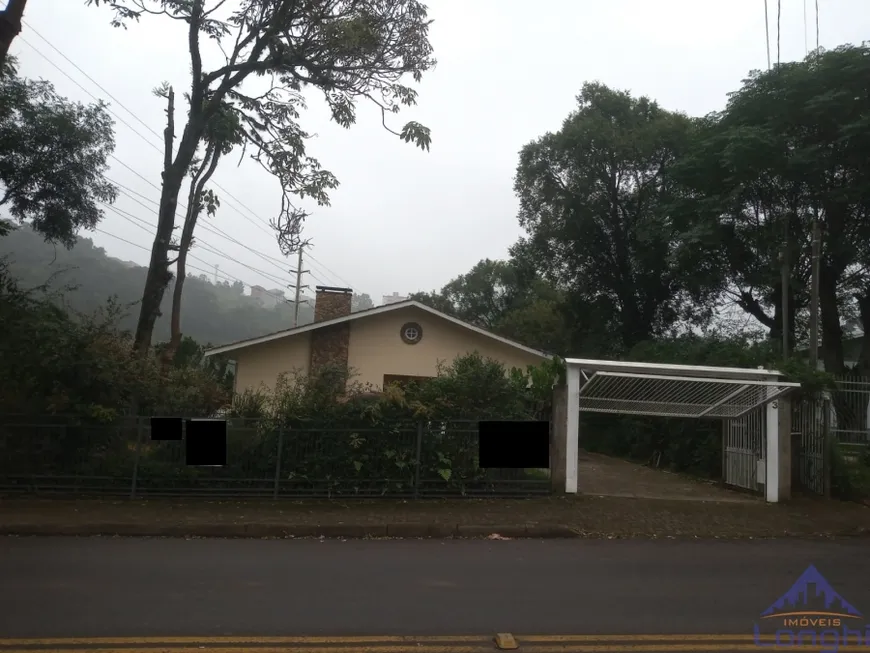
<point>789,147</point>
<point>52,158</point>
<point>593,199</point>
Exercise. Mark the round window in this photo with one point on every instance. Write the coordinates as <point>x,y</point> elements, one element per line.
<point>411,333</point>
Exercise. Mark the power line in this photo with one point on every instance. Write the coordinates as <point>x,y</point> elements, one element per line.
<point>30,28</point>
<point>806,40</point>
<point>778,16</point>
<point>193,267</point>
<point>220,233</point>
<point>160,150</point>
<point>139,221</point>
<point>94,97</point>
<point>142,247</point>
<point>336,276</point>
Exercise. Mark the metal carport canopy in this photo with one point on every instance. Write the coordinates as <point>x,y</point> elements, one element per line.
<point>665,390</point>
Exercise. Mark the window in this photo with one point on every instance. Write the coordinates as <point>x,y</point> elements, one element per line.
<point>411,333</point>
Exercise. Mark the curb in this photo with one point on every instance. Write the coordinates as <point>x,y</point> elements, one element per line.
<point>344,531</point>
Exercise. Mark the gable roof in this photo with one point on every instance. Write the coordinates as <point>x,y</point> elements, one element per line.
<point>241,344</point>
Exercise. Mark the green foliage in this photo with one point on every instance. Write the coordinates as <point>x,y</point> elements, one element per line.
<point>56,362</point>
<point>594,199</point>
<point>789,147</point>
<point>507,298</point>
<point>714,350</point>
<point>352,51</point>
<point>813,381</point>
<point>850,473</point>
<point>53,155</point>
<point>370,435</point>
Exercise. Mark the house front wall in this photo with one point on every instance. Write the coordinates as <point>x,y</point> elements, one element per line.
<point>260,365</point>
<point>376,347</point>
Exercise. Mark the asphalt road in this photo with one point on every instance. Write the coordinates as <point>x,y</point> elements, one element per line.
<point>119,587</point>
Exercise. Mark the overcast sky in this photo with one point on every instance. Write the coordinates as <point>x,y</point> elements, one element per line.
<point>403,219</point>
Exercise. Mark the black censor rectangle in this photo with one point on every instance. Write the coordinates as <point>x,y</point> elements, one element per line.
<point>514,444</point>
<point>206,442</point>
<point>166,428</point>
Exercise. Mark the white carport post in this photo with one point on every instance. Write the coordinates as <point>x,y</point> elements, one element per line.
<point>777,472</point>
<point>572,428</point>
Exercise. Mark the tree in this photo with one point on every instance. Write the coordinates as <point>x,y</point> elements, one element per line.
<point>347,49</point>
<point>10,26</point>
<point>485,293</point>
<point>220,138</point>
<point>361,302</point>
<point>436,300</point>
<point>505,297</point>
<point>52,158</point>
<point>593,199</point>
<point>789,147</point>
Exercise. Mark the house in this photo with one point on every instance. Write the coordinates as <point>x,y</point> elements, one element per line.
<point>395,298</point>
<point>388,343</point>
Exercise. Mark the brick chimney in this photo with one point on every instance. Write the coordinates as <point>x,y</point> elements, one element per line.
<point>329,344</point>
<point>330,303</point>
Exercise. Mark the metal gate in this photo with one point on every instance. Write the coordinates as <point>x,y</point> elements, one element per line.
<point>743,450</point>
<point>810,423</point>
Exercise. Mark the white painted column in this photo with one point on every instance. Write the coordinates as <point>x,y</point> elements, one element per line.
<point>771,467</point>
<point>572,430</point>
<point>777,472</point>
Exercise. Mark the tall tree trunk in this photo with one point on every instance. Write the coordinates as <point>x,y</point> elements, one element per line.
<point>159,276</point>
<point>194,208</point>
<point>829,312</point>
<point>10,26</point>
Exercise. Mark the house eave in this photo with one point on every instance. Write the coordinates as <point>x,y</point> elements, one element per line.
<point>287,333</point>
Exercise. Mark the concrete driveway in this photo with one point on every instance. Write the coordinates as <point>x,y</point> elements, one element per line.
<point>607,476</point>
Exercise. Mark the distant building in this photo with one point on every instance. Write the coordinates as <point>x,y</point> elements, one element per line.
<point>268,298</point>
<point>393,299</point>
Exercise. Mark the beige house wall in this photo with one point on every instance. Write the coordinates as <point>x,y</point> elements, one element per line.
<point>376,347</point>
<point>260,365</point>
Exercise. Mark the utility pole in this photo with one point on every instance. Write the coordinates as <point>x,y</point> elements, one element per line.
<point>814,293</point>
<point>216,267</point>
<point>785,274</point>
<point>299,286</point>
<point>10,26</point>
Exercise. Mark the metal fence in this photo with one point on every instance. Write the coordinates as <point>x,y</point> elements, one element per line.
<point>836,419</point>
<point>409,459</point>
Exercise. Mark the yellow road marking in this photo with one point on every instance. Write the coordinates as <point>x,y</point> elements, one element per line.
<point>697,647</point>
<point>368,639</point>
<point>637,643</point>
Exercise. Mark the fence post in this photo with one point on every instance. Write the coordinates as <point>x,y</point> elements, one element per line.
<point>828,445</point>
<point>139,430</point>
<point>418,459</point>
<point>278,462</point>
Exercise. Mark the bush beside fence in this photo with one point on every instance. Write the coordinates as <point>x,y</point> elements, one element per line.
<point>304,459</point>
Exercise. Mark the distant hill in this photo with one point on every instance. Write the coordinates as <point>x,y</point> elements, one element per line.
<point>212,313</point>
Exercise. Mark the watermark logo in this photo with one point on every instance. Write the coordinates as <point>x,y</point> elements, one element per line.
<point>812,614</point>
